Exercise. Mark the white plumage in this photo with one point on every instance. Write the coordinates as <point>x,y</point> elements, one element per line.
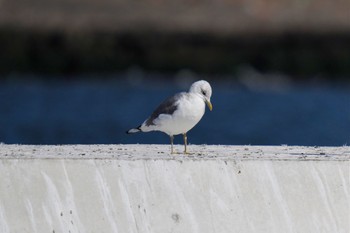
<point>179,113</point>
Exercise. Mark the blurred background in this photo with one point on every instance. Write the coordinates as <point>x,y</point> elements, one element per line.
<point>85,71</point>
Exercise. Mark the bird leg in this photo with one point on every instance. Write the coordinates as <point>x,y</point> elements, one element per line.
<point>185,143</point>
<point>172,144</point>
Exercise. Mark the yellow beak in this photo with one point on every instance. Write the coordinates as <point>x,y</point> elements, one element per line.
<point>209,105</point>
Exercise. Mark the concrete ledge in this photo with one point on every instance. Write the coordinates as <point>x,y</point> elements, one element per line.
<point>162,152</point>
<point>141,188</point>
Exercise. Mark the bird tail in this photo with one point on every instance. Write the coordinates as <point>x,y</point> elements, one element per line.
<point>134,130</point>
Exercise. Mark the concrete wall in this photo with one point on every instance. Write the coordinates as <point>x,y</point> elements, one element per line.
<point>141,188</point>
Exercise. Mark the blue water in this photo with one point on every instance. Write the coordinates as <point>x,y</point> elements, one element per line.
<point>86,112</point>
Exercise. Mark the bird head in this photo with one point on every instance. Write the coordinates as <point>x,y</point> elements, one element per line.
<point>203,89</point>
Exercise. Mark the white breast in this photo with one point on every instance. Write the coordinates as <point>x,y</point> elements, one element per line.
<point>189,112</point>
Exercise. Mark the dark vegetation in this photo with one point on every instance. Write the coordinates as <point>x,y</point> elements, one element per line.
<point>53,52</point>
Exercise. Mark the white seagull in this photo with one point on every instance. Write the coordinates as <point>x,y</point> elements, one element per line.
<point>179,113</point>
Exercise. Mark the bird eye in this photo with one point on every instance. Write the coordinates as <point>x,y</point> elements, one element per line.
<point>204,92</point>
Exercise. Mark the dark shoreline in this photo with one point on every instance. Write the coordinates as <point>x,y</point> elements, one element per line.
<point>299,54</point>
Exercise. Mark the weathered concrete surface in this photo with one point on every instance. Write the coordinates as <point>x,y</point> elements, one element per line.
<point>141,188</point>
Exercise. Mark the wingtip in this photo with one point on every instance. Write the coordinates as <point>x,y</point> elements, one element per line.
<point>133,130</point>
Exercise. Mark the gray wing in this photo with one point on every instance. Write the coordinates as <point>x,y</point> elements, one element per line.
<point>169,106</point>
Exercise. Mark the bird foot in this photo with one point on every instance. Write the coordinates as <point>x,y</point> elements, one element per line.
<point>184,153</point>
<point>174,152</point>
<point>188,153</point>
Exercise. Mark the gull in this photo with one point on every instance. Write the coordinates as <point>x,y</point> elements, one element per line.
<point>179,113</point>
